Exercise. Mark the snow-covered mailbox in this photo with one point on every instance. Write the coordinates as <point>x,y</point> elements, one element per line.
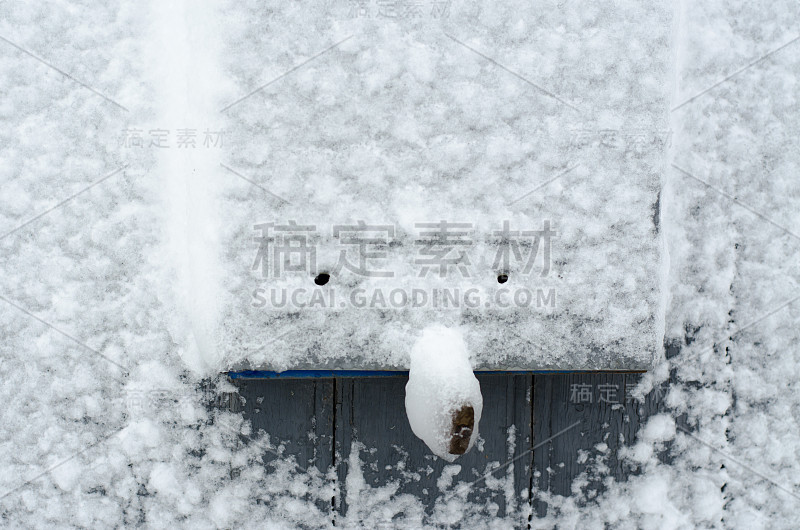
<point>504,185</point>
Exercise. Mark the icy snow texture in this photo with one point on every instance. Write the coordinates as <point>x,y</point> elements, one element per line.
<point>81,443</point>
<point>402,124</point>
<point>731,216</point>
<point>440,382</point>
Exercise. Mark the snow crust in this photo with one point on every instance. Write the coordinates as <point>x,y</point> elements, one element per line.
<point>105,423</point>
<point>440,382</point>
<point>402,122</point>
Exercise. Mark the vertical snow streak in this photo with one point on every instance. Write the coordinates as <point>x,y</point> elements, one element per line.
<point>508,489</point>
<point>667,194</point>
<point>184,55</point>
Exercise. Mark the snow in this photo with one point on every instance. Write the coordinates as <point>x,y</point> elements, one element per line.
<point>184,50</point>
<point>105,423</point>
<point>440,383</point>
<point>402,122</point>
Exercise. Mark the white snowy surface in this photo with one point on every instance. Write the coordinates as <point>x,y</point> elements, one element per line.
<point>403,121</point>
<point>86,287</point>
<point>440,382</point>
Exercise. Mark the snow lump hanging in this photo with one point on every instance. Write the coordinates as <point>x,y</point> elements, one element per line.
<point>443,397</point>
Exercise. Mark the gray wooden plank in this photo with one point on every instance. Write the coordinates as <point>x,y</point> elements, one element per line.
<point>297,414</point>
<point>372,412</point>
<point>338,412</point>
<point>575,413</point>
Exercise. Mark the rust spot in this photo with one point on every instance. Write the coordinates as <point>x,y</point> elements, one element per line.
<point>461,432</point>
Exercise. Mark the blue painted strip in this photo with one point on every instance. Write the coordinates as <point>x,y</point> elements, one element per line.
<point>301,374</point>
<point>321,374</point>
